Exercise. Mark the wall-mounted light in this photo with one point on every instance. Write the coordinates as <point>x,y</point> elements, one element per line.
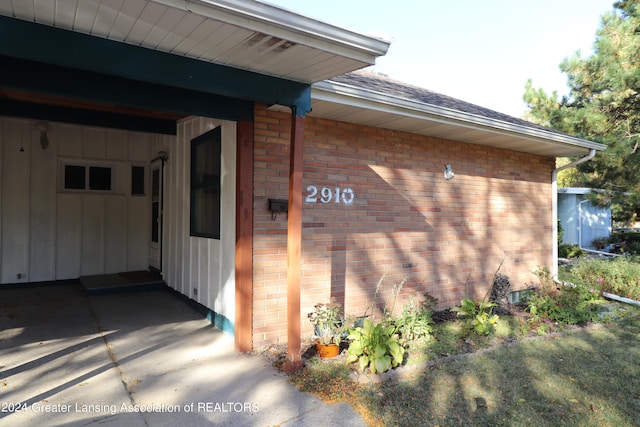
<point>448,172</point>
<point>42,127</point>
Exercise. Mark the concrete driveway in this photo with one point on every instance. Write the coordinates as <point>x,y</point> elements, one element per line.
<point>136,359</point>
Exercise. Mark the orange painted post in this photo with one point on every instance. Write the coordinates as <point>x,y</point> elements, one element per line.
<point>294,244</point>
<point>244,237</point>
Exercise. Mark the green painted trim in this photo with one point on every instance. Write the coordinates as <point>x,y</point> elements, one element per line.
<point>216,319</point>
<point>50,45</point>
<point>66,82</point>
<point>86,117</point>
<point>221,322</point>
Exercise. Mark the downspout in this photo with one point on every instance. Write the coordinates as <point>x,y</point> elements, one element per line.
<point>554,209</point>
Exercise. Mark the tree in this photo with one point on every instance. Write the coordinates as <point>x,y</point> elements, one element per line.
<point>603,105</point>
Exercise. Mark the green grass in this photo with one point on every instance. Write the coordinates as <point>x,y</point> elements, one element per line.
<point>579,377</point>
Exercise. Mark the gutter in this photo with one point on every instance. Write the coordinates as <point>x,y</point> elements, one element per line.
<point>273,20</point>
<point>359,97</point>
<point>554,210</point>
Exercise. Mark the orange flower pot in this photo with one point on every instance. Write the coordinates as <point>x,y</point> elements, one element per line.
<point>327,350</point>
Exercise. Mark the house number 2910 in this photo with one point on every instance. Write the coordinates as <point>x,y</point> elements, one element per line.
<point>326,195</point>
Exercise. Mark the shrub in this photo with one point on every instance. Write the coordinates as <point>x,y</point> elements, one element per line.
<point>570,304</point>
<point>567,250</point>
<point>619,276</point>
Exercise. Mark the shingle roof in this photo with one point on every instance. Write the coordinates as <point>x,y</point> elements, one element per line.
<point>390,87</point>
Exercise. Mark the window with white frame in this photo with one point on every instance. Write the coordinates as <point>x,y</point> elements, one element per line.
<point>81,177</point>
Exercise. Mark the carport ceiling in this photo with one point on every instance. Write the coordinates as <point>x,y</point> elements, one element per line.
<point>242,34</point>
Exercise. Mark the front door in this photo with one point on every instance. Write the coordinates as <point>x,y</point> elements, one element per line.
<point>155,245</point>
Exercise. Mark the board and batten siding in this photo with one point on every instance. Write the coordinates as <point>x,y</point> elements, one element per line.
<point>200,268</point>
<point>47,233</point>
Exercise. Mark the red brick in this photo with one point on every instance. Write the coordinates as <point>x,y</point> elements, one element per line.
<point>457,232</point>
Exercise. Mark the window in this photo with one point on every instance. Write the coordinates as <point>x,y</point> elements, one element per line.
<point>205,184</point>
<point>137,180</point>
<point>93,178</point>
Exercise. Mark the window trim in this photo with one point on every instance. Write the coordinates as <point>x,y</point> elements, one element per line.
<point>87,173</point>
<point>213,136</point>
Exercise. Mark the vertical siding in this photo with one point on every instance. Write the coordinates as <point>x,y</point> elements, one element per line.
<point>15,206</point>
<point>202,269</point>
<point>49,234</point>
<point>42,203</point>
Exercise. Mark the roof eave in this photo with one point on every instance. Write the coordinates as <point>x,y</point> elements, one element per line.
<point>264,17</point>
<point>358,97</point>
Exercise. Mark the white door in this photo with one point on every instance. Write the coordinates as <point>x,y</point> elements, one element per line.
<point>155,245</point>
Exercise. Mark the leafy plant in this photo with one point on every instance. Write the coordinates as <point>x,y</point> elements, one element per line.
<point>573,305</point>
<point>568,304</point>
<point>375,346</point>
<point>327,320</point>
<point>567,250</point>
<point>415,320</point>
<point>479,315</point>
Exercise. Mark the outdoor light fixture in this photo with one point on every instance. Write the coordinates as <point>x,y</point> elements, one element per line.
<point>42,127</point>
<point>448,172</point>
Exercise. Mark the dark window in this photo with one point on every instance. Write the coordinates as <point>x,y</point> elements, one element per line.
<point>99,178</point>
<point>205,184</point>
<point>74,177</point>
<point>137,180</point>
<point>78,177</point>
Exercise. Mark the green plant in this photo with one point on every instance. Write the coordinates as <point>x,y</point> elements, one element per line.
<point>572,305</point>
<point>479,315</point>
<point>327,320</point>
<point>415,320</point>
<point>569,304</point>
<point>567,250</point>
<point>620,276</point>
<point>374,346</point>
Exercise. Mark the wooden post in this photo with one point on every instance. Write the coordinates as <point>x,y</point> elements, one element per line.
<point>294,244</point>
<point>243,330</point>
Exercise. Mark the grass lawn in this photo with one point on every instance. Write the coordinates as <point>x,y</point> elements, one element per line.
<point>587,376</point>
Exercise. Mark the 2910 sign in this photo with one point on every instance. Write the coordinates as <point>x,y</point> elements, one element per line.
<point>329,195</point>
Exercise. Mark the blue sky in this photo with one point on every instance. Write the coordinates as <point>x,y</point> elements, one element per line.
<point>482,51</point>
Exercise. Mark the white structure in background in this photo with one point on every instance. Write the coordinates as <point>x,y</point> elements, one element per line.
<point>581,221</point>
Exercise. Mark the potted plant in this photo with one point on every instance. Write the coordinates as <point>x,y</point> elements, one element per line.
<point>327,327</point>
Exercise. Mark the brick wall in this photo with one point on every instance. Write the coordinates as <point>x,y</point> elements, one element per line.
<point>405,221</point>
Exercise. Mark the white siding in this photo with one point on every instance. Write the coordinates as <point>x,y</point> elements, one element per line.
<point>15,204</point>
<point>200,268</point>
<point>47,233</point>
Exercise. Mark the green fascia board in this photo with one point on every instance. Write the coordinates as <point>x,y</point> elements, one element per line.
<point>50,45</point>
<point>66,82</point>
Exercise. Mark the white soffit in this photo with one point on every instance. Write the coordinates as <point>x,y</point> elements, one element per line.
<point>336,101</point>
<point>243,34</point>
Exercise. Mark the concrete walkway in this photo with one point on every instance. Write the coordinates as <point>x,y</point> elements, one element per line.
<point>136,359</point>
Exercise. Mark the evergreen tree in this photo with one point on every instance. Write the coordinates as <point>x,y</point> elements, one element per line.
<point>603,105</point>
